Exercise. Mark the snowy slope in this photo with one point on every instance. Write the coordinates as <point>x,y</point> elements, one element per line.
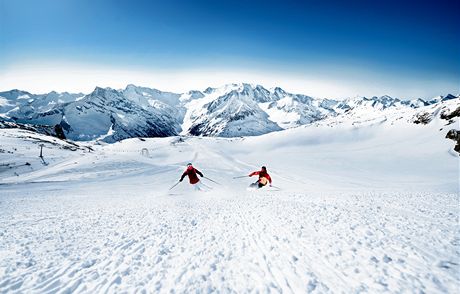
<point>366,205</point>
<point>20,150</point>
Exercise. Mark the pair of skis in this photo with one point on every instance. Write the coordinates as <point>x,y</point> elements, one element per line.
<point>239,177</point>
<point>203,177</point>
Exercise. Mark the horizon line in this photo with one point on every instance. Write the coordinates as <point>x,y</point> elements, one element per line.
<point>254,85</point>
<point>333,83</point>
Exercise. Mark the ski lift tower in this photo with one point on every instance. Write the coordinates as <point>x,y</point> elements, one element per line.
<point>41,150</point>
<point>41,154</point>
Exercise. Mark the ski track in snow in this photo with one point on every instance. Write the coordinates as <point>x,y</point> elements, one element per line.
<point>103,222</point>
<point>253,242</point>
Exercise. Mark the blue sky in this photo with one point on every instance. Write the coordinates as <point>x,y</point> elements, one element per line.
<point>323,48</point>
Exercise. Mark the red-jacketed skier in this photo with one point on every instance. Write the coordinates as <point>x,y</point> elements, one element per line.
<point>264,177</point>
<point>192,174</point>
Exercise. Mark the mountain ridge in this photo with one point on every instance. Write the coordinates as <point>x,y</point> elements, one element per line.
<point>232,110</point>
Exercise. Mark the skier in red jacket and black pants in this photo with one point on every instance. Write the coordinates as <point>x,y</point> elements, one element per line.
<point>192,172</point>
<point>264,177</point>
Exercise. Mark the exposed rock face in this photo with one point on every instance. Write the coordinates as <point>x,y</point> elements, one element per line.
<point>454,135</point>
<point>47,130</point>
<point>59,132</point>
<point>423,118</point>
<point>450,115</point>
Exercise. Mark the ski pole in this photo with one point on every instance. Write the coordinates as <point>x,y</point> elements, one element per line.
<point>276,187</point>
<point>239,177</point>
<point>212,181</point>
<point>174,186</point>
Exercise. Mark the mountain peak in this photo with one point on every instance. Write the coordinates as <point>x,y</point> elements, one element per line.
<point>131,86</point>
<point>279,93</point>
<point>448,97</point>
<point>100,90</point>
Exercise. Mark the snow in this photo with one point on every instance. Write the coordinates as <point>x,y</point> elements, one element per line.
<point>4,102</point>
<point>110,132</point>
<point>195,108</point>
<point>282,118</point>
<point>25,96</point>
<point>229,111</point>
<point>367,204</point>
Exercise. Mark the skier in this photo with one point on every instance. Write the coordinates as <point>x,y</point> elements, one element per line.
<point>264,178</point>
<point>192,172</point>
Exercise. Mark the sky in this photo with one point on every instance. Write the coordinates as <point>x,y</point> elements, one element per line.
<point>335,49</point>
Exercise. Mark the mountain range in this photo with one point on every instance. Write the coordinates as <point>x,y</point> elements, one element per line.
<point>229,111</point>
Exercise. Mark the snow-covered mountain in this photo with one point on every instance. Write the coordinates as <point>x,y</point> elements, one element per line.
<point>17,104</point>
<point>107,114</point>
<point>291,110</point>
<point>229,111</point>
<point>104,114</point>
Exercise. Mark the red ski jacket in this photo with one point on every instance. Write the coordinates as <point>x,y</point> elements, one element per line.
<point>261,174</point>
<point>191,173</point>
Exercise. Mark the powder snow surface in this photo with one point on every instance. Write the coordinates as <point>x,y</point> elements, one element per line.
<point>359,210</point>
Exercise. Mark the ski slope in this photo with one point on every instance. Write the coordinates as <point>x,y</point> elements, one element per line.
<point>367,208</point>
